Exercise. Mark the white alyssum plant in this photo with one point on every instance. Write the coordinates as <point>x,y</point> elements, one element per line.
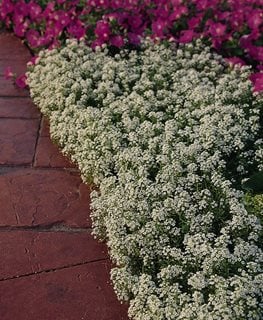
<point>168,135</point>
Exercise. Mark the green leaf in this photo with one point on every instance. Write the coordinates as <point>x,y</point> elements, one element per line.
<point>254,183</point>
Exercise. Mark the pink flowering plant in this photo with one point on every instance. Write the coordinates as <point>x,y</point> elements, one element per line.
<point>234,28</point>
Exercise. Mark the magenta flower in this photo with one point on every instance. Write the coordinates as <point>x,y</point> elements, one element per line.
<point>6,7</point>
<point>102,30</point>
<point>50,8</point>
<point>103,3</point>
<point>235,60</point>
<point>135,22</point>
<point>77,29</point>
<point>116,21</point>
<point>257,80</point>
<point>255,19</point>
<point>194,22</point>
<point>97,43</point>
<point>116,4</point>
<point>32,37</point>
<point>177,13</point>
<point>33,60</point>
<point>8,73</point>
<point>21,81</point>
<point>34,10</point>
<point>20,29</point>
<point>205,4</point>
<point>53,30</point>
<point>217,29</point>
<point>62,18</point>
<point>117,41</point>
<point>134,38</point>
<point>256,52</point>
<point>158,28</point>
<point>186,36</point>
<point>162,12</point>
<point>22,8</point>
<point>18,18</point>
<point>99,3</point>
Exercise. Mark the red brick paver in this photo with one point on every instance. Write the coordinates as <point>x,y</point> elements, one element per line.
<point>51,267</point>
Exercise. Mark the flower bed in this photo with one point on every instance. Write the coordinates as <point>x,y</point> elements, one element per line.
<point>233,27</point>
<point>168,135</point>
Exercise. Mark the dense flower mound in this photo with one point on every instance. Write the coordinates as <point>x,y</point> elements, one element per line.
<point>168,134</point>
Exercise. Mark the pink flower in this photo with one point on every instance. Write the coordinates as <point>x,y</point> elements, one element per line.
<point>34,10</point>
<point>158,28</point>
<point>116,4</point>
<point>8,73</point>
<point>102,30</point>
<point>32,37</point>
<point>62,18</point>
<point>177,13</point>
<point>98,3</point>
<point>217,29</point>
<point>97,43</point>
<point>257,80</point>
<point>54,44</point>
<point>237,18</point>
<point>162,12</point>
<point>256,52</point>
<point>77,29</point>
<point>103,3</point>
<point>50,8</point>
<point>20,30</point>
<point>53,30</point>
<point>194,22</point>
<point>18,18</point>
<point>45,40</point>
<point>205,4</point>
<point>186,36</point>
<point>134,38</point>
<point>21,7</point>
<point>117,41</point>
<point>255,19</point>
<point>235,60</point>
<point>33,61</point>
<point>6,7</point>
<point>21,81</point>
<point>135,22</point>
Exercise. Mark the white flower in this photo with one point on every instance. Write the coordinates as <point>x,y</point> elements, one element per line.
<point>168,135</point>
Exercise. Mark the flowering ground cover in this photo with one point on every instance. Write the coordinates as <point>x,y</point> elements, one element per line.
<point>234,28</point>
<point>169,135</point>
<point>170,132</point>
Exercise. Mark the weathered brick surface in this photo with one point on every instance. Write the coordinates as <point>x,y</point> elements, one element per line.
<point>9,89</point>
<point>17,140</point>
<point>27,252</point>
<point>18,108</point>
<point>76,293</point>
<point>49,155</point>
<point>31,197</point>
<point>12,48</point>
<point>18,67</point>
<point>44,130</point>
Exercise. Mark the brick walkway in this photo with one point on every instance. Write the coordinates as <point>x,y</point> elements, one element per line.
<point>50,266</point>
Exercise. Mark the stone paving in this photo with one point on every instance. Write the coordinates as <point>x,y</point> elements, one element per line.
<point>51,268</point>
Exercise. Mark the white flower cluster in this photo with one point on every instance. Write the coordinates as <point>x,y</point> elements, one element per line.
<point>167,134</point>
